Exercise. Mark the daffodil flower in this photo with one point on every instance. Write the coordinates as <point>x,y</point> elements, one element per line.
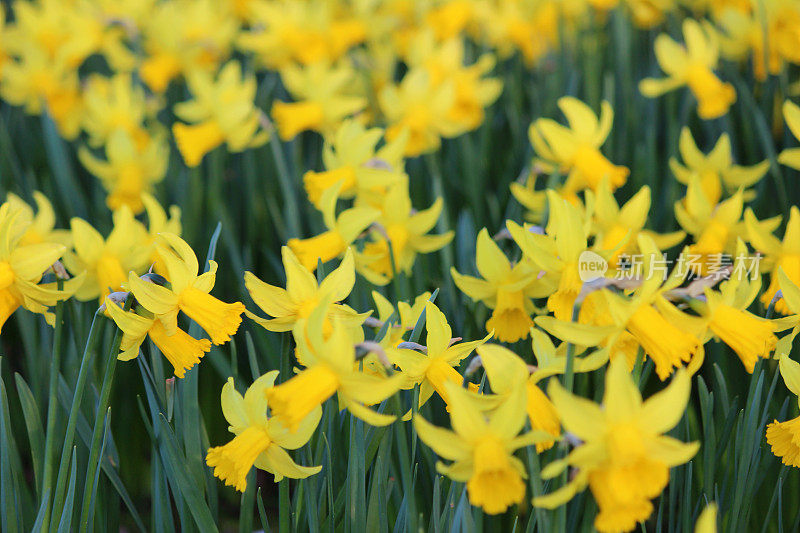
<point>305,33</point>
<point>692,65</point>
<point>645,318</point>
<point>350,157</point>
<point>617,228</point>
<point>129,171</point>
<point>557,251</point>
<point>22,268</point>
<point>260,440</point>
<point>715,170</point>
<point>445,62</point>
<point>106,261</point>
<point>181,349</point>
<point>406,230</point>
<point>159,222</point>
<point>784,437</point>
<point>530,28</point>
<point>482,449</point>
<point>433,369</point>
<point>534,201</point>
<point>624,458</point>
<point>39,227</point>
<point>330,368</point>
<point>715,228</point>
<point>342,230</point>
<point>407,316</point>
<point>115,104</point>
<point>791,297</point>
<point>322,100</point>
<point>726,315</point>
<point>184,38</point>
<point>188,292</point>
<point>791,156</point>
<point>420,108</point>
<point>222,111</point>
<point>505,288</point>
<point>505,370</point>
<point>783,255</point>
<point>576,149</point>
<point>303,295</point>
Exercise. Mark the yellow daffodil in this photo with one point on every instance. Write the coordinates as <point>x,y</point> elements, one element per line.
<point>557,251</point>
<point>302,294</point>
<point>406,230</point>
<point>648,14</point>
<point>482,449</point>
<point>791,297</point>
<point>330,368</point>
<point>322,100</point>
<point>188,292</point>
<point>342,230</point>
<point>575,150</point>
<point>445,62</point>
<point>784,437</point>
<point>715,170</point>
<point>115,104</point>
<point>406,316</point>
<point>450,18</point>
<point>617,228</point>
<point>725,312</point>
<point>791,156</point>
<point>260,441</point>
<point>107,261</point>
<point>624,458</point>
<point>158,222</point>
<point>181,349</point>
<point>707,521</point>
<point>306,32</point>
<point>768,34</point>
<point>222,111</point>
<point>533,200</point>
<point>530,27</point>
<point>692,65</point>
<point>40,84</point>
<point>38,227</point>
<point>22,267</point>
<point>434,368</point>
<point>351,158</point>
<point>184,36</point>
<point>129,171</point>
<point>419,108</point>
<point>645,318</point>
<point>505,288</point>
<point>783,255</point>
<point>715,228</point>
<point>505,370</point>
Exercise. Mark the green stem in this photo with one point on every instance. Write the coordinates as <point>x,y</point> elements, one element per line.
<point>285,507</point>
<point>569,382</point>
<point>74,412</point>
<point>292,210</point>
<point>405,466</point>
<point>52,406</point>
<point>90,488</point>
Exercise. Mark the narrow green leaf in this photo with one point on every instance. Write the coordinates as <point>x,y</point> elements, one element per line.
<point>33,424</point>
<point>65,524</point>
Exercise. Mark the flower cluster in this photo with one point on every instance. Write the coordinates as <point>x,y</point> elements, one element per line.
<point>142,87</point>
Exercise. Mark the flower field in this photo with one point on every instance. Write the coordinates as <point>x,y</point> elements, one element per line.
<point>395,266</point>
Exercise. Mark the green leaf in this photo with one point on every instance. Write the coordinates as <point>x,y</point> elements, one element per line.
<point>65,524</point>
<point>33,424</point>
<point>175,462</point>
<point>9,488</point>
